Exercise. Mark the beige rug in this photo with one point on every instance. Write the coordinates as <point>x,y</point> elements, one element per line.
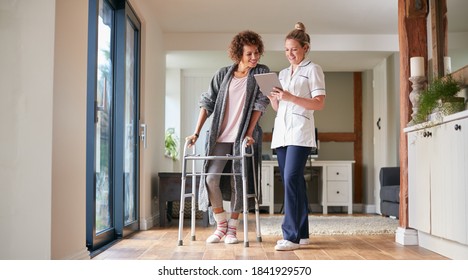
<point>336,225</point>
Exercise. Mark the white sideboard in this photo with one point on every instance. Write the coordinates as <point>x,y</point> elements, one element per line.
<point>438,184</point>
<point>336,179</point>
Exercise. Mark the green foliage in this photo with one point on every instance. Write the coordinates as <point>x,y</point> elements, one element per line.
<point>440,89</point>
<point>171,144</point>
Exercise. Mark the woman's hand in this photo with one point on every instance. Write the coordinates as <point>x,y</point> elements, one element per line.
<point>193,138</point>
<point>250,140</point>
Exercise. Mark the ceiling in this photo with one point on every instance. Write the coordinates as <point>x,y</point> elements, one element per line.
<point>333,25</point>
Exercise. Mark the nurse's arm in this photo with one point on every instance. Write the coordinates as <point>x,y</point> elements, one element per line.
<point>316,103</point>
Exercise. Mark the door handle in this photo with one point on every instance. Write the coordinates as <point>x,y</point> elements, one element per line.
<point>143,133</point>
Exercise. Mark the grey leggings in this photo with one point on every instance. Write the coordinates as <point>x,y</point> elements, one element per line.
<point>217,166</point>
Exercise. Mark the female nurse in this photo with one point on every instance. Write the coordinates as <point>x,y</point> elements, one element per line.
<point>303,92</point>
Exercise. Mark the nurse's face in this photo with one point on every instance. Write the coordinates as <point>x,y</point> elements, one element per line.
<point>295,53</point>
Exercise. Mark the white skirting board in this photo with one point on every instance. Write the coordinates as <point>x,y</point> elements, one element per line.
<point>81,255</point>
<point>444,247</point>
<point>406,236</point>
<point>149,222</point>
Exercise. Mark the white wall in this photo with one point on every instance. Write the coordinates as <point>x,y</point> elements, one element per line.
<point>153,73</point>
<point>26,111</point>
<point>367,142</point>
<point>69,131</point>
<point>393,76</point>
<point>43,80</point>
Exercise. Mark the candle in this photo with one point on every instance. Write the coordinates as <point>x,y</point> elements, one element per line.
<point>447,65</point>
<point>417,66</point>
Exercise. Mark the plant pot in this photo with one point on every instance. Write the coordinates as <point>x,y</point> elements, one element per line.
<point>447,106</point>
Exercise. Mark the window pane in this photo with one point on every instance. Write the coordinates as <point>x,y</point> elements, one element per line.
<point>131,126</point>
<point>103,145</point>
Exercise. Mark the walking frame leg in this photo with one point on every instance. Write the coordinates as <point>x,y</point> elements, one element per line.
<point>182,205</point>
<point>257,210</point>
<point>182,196</point>
<point>245,200</point>
<point>194,188</point>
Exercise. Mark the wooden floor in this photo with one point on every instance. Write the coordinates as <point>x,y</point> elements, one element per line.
<point>162,244</point>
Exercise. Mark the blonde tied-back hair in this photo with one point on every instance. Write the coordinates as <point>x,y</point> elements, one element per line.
<point>299,26</point>
<point>299,35</point>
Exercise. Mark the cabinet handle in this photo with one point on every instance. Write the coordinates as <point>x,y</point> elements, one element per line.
<point>337,192</point>
<point>427,134</point>
<point>457,127</point>
<point>337,173</point>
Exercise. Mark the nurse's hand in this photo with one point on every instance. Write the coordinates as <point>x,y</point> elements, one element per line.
<point>283,95</point>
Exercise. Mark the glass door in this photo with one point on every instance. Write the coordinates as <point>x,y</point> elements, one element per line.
<point>113,123</point>
<point>131,122</point>
<point>103,124</point>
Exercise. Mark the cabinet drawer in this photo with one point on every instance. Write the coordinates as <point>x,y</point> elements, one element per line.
<point>267,187</point>
<point>337,173</point>
<point>338,192</point>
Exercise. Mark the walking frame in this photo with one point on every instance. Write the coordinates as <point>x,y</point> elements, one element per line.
<point>243,158</point>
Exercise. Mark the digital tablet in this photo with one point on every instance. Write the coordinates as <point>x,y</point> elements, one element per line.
<point>267,81</point>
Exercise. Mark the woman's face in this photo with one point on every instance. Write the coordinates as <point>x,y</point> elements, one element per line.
<point>295,53</point>
<point>250,56</point>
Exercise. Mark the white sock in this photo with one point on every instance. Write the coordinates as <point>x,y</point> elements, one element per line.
<point>231,235</point>
<point>221,228</point>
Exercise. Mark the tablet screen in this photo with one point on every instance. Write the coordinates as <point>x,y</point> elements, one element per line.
<point>267,81</point>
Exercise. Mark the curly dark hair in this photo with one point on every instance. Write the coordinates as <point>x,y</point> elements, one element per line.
<point>244,38</point>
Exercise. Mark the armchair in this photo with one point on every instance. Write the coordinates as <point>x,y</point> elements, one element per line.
<point>390,191</point>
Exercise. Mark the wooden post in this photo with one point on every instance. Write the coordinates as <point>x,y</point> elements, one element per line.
<point>412,30</point>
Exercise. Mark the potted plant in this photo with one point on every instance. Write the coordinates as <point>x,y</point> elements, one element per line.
<point>171,144</point>
<point>439,99</point>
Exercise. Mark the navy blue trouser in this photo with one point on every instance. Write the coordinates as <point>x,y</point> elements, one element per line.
<point>292,161</point>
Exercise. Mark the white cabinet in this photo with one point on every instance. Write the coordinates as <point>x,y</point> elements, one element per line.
<point>337,185</point>
<point>419,179</point>
<point>336,179</point>
<point>449,188</point>
<point>267,188</point>
<point>438,179</point>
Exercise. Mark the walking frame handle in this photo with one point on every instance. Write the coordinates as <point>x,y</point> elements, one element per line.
<point>243,151</point>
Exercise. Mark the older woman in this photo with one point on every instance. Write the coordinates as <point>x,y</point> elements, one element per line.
<point>235,103</point>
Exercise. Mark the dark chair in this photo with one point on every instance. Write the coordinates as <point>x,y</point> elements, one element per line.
<point>390,191</point>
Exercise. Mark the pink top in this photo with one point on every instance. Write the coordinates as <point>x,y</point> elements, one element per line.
<point>235,104</point>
